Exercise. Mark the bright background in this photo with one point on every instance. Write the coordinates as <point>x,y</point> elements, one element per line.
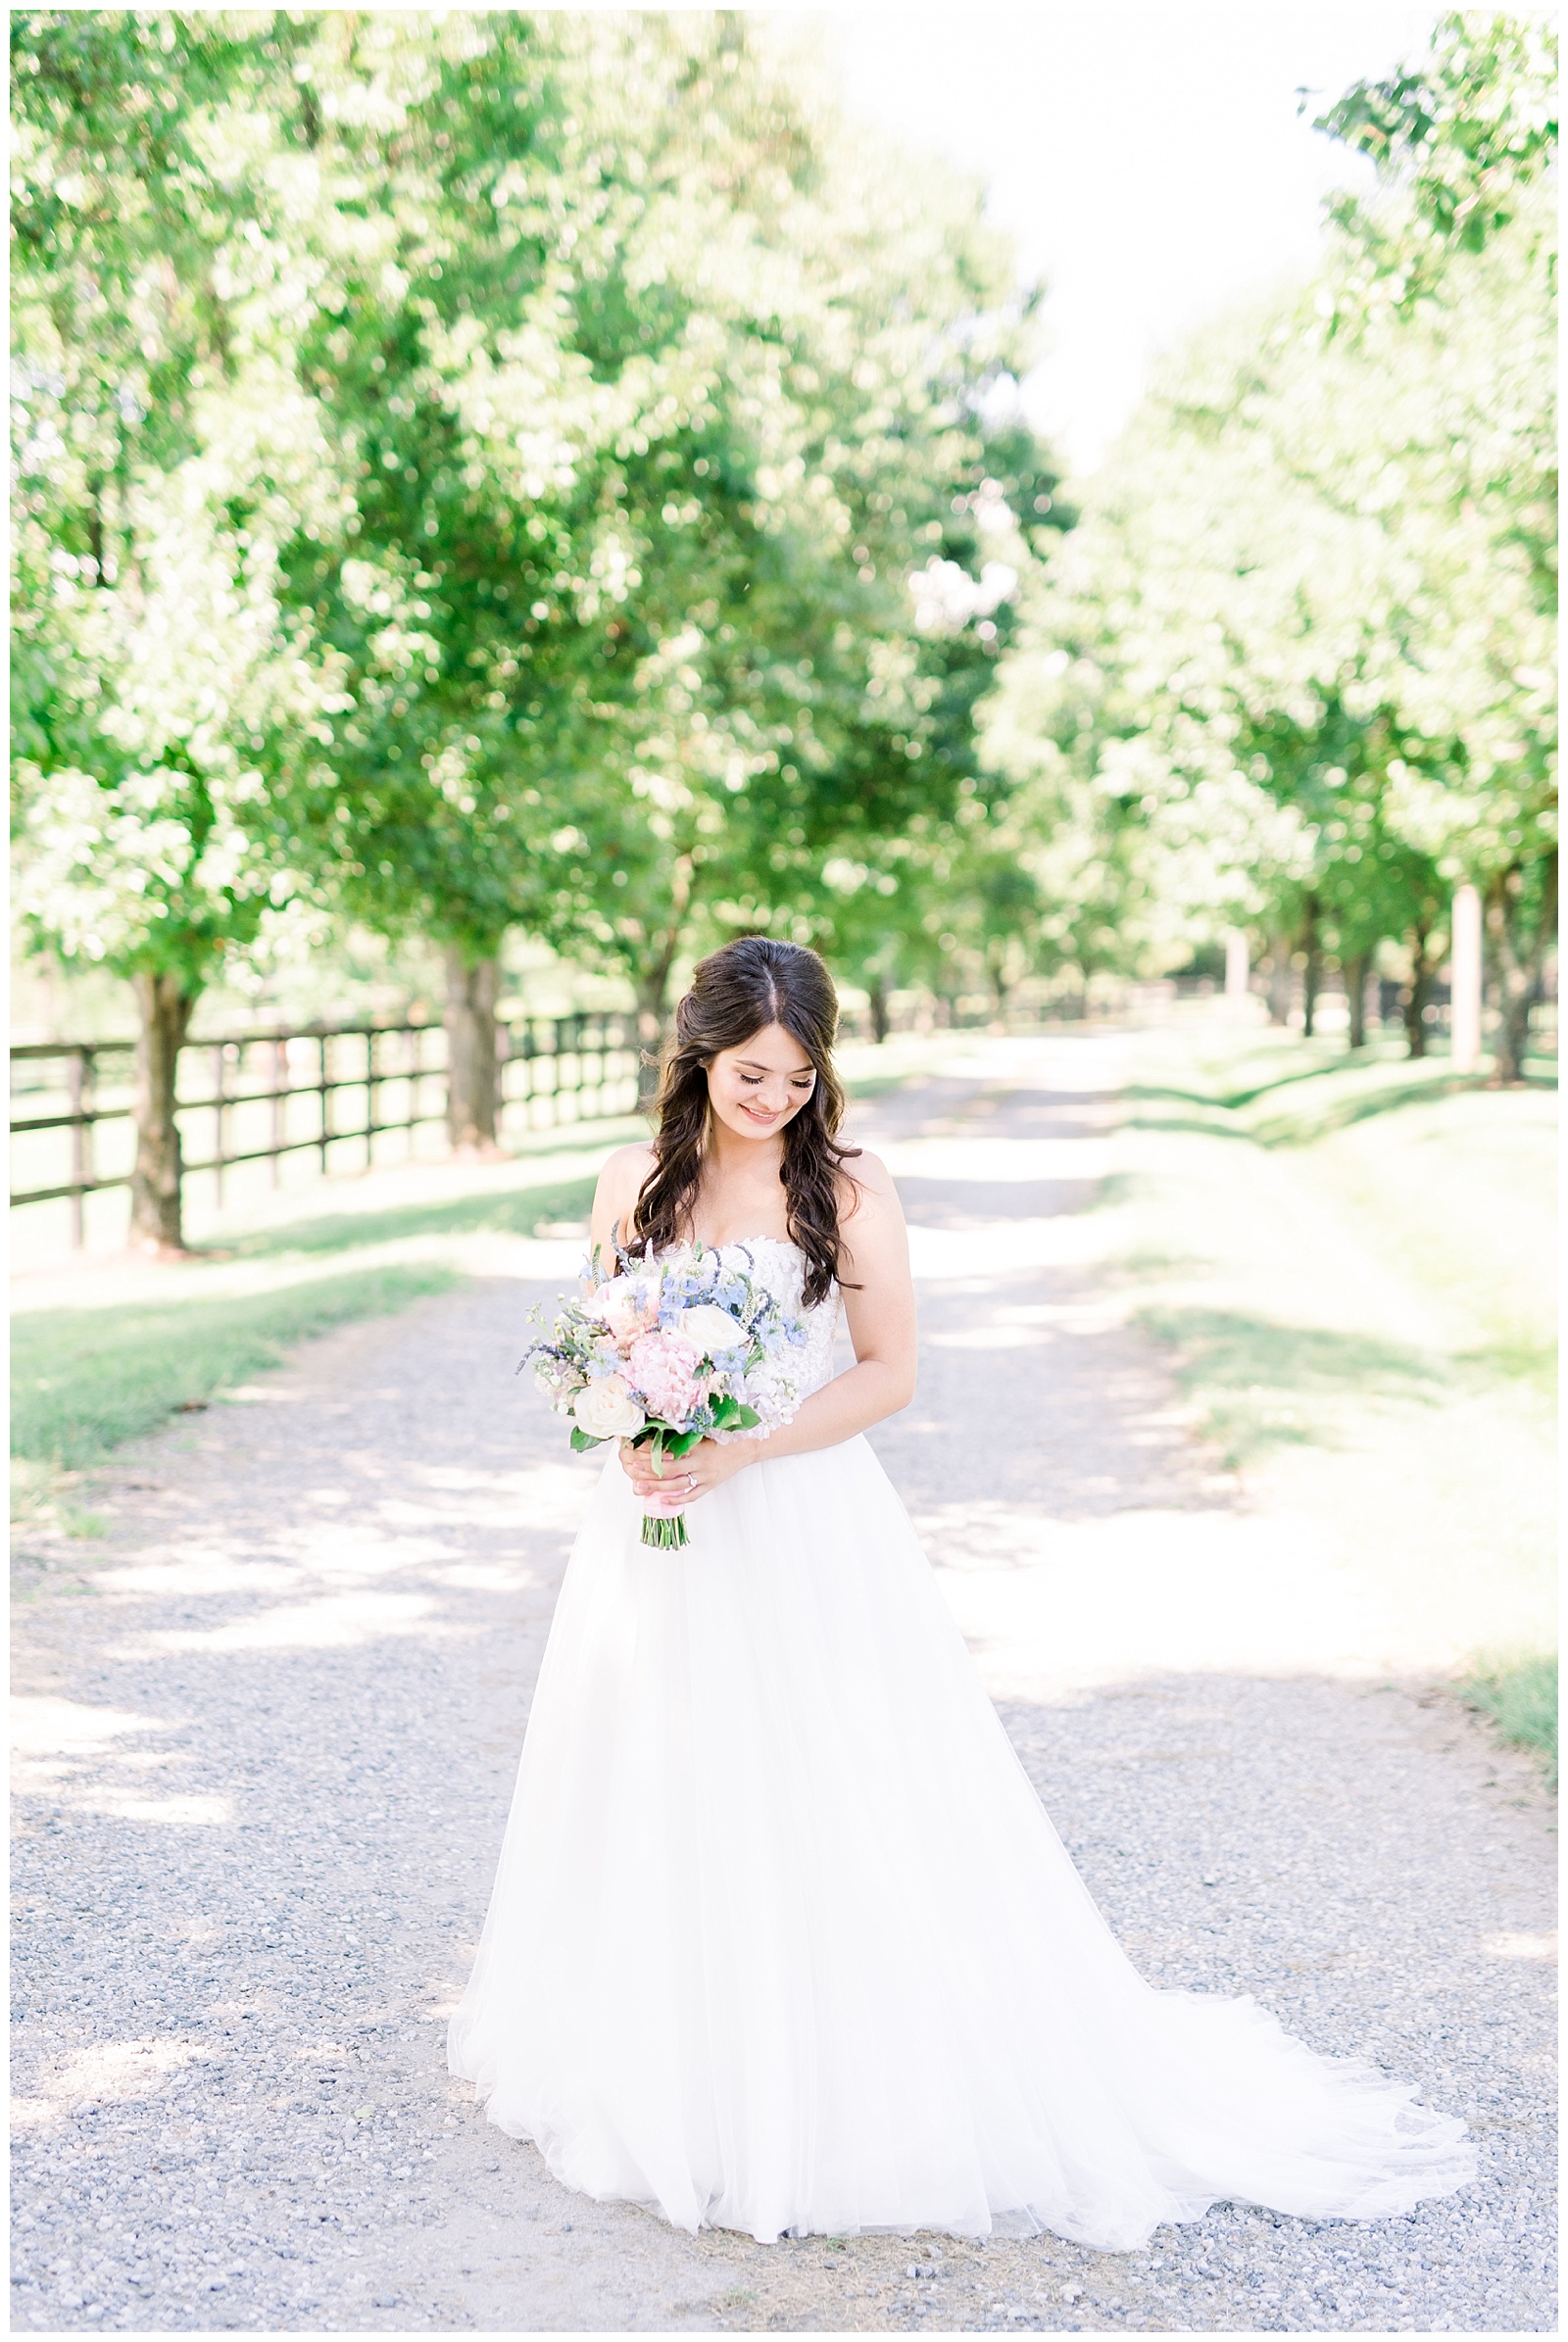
<point>1150,162</point>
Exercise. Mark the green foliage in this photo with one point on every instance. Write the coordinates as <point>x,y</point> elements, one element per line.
<point>1462,135</point>
<point>162,696</point>
<point>673,390</point>
<point>84,1380</point>
<point>537,469</point>
<point>1294,669</point>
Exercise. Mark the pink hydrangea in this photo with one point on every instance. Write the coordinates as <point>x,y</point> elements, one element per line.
<point>662,1370</point>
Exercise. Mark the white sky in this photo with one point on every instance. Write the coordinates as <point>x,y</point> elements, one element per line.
<point>1147,160</point>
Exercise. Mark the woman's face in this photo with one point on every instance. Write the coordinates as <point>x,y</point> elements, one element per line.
<point>757,1087</point>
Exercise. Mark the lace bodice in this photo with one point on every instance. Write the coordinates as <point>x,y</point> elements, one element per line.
<point>780,1265</point>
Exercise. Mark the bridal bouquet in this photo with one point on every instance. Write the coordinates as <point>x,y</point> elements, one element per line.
<point>665,1353</point>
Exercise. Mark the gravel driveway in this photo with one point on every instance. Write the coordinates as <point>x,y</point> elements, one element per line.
<point>268,1737</point>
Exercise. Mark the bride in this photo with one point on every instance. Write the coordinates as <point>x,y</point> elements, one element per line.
<point>782,1939</point>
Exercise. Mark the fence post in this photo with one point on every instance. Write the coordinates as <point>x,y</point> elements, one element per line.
<point>280,1106</point>
<point>416,1062</point>
<point>579,1050</point>
<point>77,1083</point>
<point>219,1055</point>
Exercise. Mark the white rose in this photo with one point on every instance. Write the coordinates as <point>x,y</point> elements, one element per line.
<point>606,1411</point>
<point>711,1331</point>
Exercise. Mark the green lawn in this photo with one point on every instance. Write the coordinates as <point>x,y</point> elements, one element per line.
<point>1521,1695</point>
<point>87,1376</point>
<point>496,1210</point>
<point>1352,1262</point>
<point>83,1379</point>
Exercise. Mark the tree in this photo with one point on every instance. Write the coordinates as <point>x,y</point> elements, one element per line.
<point>649,398</point>
<point>1296,663</point>
<point>1460,248</point>
<point>163,695</point>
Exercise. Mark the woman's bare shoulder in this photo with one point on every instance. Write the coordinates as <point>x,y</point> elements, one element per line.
<point>621,1182</point>
<point>628,1165</point>
<point>866,1186</point>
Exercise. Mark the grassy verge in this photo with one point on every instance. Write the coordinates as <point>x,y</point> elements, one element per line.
<point>497,1211</point>
<point>1350,1261</point>
<point>1521,1697</point>
<point>84,1380</point>
<point>111,1364</point>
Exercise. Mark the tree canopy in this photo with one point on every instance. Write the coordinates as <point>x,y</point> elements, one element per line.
<point>482,469</point>
<point>1294,669</point>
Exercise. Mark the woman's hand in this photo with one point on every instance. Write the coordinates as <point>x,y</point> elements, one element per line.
<point>668,1484</point>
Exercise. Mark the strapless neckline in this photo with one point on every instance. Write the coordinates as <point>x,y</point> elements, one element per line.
<point>741,1244</point>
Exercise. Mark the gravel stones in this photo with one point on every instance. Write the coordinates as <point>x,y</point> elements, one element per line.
<point>270,1726</point>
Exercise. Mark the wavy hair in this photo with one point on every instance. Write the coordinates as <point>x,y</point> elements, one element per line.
<point>736,991</point>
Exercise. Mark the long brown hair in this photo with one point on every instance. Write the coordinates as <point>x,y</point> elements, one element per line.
<point>736,991</point>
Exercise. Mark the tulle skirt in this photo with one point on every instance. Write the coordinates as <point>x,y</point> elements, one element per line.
<point>783,1941</point>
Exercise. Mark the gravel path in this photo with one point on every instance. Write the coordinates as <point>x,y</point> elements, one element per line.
<point>268,1733</point>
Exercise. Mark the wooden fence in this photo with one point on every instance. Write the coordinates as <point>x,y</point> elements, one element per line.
<point>248,1097</point>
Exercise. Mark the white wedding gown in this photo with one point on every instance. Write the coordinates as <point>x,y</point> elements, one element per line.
<point>783,1941</point>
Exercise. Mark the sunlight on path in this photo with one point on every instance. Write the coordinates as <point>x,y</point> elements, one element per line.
<point>1357,1560</point>
<point>270,1724</point>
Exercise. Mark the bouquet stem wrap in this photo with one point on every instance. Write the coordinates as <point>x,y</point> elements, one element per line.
<point>666,1531</point>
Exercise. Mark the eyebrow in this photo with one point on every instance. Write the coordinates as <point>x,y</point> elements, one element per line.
<point>759,1067</point>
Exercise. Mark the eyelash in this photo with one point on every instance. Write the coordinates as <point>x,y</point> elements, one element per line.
<point>751,1080</point>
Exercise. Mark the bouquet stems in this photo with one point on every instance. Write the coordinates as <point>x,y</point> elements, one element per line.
<point>664,1530</point>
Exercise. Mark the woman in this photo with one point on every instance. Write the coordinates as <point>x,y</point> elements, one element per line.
<point>782,1939</point>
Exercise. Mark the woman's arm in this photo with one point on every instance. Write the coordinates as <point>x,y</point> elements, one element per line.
<point>880,1310</point>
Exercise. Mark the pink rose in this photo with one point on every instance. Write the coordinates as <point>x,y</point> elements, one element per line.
<point>629,1307</point>
<point>662,1370</point>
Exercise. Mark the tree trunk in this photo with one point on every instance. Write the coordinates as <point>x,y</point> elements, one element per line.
<point>652,1016</point>
<point>163,1007</point>
<point>1519,966</point>
<point>1313,977</point>
<point>1415,1004</point>
<point>1279,982</point>
<point>1004,993</point>
<point>881,1014</point>
<point>473,987</point>
<point>1356,972</point>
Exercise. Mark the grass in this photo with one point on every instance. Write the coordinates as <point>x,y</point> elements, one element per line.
<point>1256,1380</point>
<point>1520,1694</point>
<point>1350,1261</point>
<point>87,1377</point>
<point>84,1380</point>
<point>509,1211</point>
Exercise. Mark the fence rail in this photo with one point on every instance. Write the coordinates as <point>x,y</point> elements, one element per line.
<point>348,1084</point>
